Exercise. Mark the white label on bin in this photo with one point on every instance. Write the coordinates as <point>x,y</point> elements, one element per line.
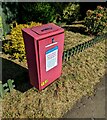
<point>51,58</point>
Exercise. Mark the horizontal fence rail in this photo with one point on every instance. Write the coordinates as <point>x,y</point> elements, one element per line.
<point>79,48</point>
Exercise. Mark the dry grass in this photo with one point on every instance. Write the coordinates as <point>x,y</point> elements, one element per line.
<point>79,76</point>
<point>72,39</point>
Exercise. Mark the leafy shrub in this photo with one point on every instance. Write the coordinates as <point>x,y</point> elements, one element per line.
<point>15,45</point>
<point>40,12</point>
<point>0,22</point>
<point>96,20</point>
<point>59,7</point>
<point>9,13</point>
<point>45,13</point>
<point>71,12</point>
<point>25,12</point>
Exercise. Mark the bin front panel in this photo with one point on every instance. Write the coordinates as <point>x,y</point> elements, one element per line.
<point>50,57</point>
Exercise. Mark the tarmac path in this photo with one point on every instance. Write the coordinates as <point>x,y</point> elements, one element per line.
<point>91,107</point>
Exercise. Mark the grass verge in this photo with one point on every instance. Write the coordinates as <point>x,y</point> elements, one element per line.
<point>79,76</point>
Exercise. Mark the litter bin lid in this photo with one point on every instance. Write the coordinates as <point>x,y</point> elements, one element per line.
<point>47,28</point>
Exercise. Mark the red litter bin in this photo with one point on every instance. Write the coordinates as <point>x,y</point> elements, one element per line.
<point>44,49</point>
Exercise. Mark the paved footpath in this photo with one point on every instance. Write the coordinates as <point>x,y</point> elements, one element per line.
<point>90,107</point>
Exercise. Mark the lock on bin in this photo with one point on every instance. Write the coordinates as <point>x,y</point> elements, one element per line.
<point>44,49</point>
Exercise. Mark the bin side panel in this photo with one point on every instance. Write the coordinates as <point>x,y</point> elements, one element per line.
<point>47,77</point>
<point>31,59</point>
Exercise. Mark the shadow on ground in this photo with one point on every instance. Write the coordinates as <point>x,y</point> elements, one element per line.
<point>19,74</point>
<point>76,29</point>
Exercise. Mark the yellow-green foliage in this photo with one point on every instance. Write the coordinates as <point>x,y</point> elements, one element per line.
<point>0,22</point>
<point>71,12</point>
<point>15,45</point>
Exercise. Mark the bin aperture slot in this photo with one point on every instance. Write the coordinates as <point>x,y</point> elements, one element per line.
<point>44,29</point>
<point>48,28</point>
